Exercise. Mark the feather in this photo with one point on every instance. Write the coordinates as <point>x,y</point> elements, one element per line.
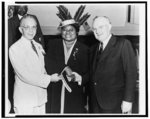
<point>61,17</point>
<point>65,12</point>
<point>84,18</point>
<point>69,15</point>
<point>79,12</point>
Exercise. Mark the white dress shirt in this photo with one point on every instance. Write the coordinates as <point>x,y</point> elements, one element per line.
<point>105,42</point>
<point>31,79</point>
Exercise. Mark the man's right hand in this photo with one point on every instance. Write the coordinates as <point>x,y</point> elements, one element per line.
<point>55,77</point>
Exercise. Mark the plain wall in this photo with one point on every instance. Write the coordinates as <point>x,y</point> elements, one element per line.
<point>118,14</point>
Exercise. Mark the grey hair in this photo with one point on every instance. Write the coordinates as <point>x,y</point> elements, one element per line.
<point>25,17</point>
<point>104,17</point>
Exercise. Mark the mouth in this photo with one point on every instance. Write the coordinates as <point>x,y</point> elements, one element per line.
<point>30,34</point>
<point>99,34</point>
<point>68,36</point>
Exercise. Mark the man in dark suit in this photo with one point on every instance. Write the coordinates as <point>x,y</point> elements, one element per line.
<point>14,35</point>
<point>113,71</point>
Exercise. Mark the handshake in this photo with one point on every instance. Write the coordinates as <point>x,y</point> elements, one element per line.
<point>71,76</point>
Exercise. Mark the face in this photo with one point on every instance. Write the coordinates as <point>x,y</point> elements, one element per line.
<point>69,33</point>
<point>22,10</point>
<point>28,28</point>
<point>101,29</point>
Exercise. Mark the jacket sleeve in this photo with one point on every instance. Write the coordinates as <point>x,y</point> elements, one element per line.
<point>129,65</point>
<point>10,33</point>
<point>26,74</point>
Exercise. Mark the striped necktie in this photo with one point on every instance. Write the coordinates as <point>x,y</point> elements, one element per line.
<point>34,48</point>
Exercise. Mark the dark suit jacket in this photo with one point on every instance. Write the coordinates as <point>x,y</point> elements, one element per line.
<point>114,78</point>
<point>78,62</point>
<point>14,33</point>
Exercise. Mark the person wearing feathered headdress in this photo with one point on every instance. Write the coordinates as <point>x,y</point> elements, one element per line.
<point>67,54</point>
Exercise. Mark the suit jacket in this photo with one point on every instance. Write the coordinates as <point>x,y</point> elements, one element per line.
<point>31,79</point>
<point>78,62</point>
<point>114,77</point>
<point>14,33</point>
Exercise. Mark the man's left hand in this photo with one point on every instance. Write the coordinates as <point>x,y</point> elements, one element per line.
<point>126,107</point>
<point>78,78</point>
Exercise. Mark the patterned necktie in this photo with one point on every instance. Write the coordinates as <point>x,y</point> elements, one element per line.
<point>34,48</point>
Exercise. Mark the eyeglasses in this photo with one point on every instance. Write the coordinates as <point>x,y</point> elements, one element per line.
<point>27,28</point>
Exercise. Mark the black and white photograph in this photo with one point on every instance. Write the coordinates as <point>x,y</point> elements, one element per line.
<point>74,59</point>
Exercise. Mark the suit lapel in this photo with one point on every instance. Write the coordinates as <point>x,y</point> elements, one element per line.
<point>95,55</point>
<point>60,52</point>
<point>107,50</point>
<point>73,55</point>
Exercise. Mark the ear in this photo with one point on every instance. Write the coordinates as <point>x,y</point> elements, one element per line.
<point>109,26</point>
<point>20,29</point>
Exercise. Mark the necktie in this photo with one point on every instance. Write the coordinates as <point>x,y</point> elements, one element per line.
<point>34,48</point>
<point>99,52</point>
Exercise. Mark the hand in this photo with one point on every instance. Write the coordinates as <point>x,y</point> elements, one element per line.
<point>126,107</point>
<point>55,77</point>
<point>78,78</point>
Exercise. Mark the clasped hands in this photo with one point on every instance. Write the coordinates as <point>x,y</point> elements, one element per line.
<point>77,78</point>
<point>55,77</point>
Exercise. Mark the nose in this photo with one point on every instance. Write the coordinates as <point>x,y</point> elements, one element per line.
<point>98,31</point>
<point>30,29</point>
<point>67,32</point>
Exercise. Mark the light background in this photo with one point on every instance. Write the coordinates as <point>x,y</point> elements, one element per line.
<point>49,23</point>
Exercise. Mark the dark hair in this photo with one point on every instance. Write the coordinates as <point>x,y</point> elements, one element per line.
<point>18,6</point>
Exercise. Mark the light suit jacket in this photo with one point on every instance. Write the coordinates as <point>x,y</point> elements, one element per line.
<point>31,79</point>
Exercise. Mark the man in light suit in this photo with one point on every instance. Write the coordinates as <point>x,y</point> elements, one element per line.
<point>113,71</point>
<point>13,35</point>
<point>13,25</point>
<point>31,79</point>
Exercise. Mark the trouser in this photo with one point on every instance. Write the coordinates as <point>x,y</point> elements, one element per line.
<point>26,110</point>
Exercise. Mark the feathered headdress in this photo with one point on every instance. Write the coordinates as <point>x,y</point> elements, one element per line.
<point>67,19</point>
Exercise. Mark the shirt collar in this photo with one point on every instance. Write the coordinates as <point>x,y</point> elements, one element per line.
<point>105,42</point>
<point>68,53</point>
<point>19,16</point>
<point>71,46</point>
<point>26,41</point>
